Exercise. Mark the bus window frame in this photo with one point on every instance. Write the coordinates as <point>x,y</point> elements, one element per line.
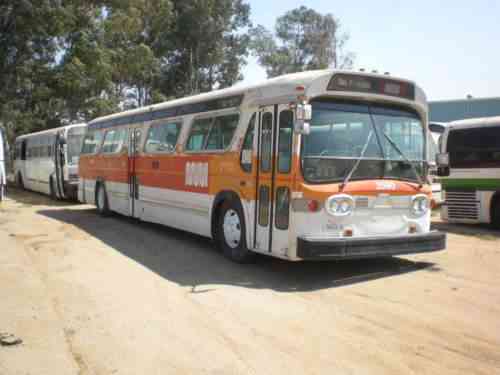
<point>164,121</point>
<point>212,115</point>
<point>252,121</point>
<point>98,146</point>
<point>123,145</point>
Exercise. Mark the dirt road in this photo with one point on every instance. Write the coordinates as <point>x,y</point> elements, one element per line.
<point>92,295</point>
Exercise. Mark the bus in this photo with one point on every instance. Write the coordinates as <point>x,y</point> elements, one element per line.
<point>4,152</point>
<point>308,166</point>
<point>47,161</point>
<point>469,166</point>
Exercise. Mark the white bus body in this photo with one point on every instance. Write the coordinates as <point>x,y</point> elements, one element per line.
<point>470,171</point>
<point>47,161</point>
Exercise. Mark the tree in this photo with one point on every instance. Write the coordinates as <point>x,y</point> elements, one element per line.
<point>70,61</point>
<point>304,40</point>
<point>209,49</point>
<point>137,35</point>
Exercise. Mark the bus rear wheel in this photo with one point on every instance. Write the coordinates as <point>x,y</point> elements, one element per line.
<point>231,233</point>
<point>52,188</point>
<point>101,200</point>
<point>19,181</point>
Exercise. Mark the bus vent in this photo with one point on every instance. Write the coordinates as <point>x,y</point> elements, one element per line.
<point>462,205</point>
<point>362,202</point>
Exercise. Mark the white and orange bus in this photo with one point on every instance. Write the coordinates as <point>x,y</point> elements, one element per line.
<point>308,166</point>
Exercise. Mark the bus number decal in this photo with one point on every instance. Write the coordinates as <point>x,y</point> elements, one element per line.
<point>197,174</point>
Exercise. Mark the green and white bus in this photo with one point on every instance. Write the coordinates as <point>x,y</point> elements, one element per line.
<point>469,166</point>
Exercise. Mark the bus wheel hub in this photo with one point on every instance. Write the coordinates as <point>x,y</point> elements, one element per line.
<point>232,228</point>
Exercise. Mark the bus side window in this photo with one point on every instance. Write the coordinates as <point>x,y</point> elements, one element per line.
<point>198,134</point>
<point>92,142</point>
<point>246,148</point>
<point>285,142</point>
<point>162,138</point>
<point>222,131</point>
<point>109,142</point>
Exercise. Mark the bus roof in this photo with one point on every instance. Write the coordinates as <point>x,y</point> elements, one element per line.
<point>475,122</point>
<point>51,131</point>
<point>282,86</point>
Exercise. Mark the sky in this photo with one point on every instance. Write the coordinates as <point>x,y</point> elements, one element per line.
<point>449,48</point>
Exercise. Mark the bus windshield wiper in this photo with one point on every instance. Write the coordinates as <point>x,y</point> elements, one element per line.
<point>355,166</point>
<point>419,178</point>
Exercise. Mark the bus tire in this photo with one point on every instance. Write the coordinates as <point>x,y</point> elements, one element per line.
<point>19,181</point>
<point>52,189</point>
<point>231,236</point>
<point>495,212</point>
<point>101,200</point>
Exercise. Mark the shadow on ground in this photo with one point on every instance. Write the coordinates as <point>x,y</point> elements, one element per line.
<point>30,198</point>
<point>481,231</point>
<point>191,260</point>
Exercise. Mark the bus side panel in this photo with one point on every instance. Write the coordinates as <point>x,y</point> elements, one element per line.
<point>115,175</point>
<point>88,179</point>
<point>167,196</point>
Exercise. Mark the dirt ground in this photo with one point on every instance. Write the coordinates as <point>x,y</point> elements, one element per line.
<point>92,295</point>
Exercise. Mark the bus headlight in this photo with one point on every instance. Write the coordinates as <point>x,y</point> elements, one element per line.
<point>339,205</point>
<point>419,205</point>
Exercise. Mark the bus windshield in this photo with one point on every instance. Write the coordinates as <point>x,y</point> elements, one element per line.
<point>340,132</point>
<point>477,147</point>
<point>74,141</point>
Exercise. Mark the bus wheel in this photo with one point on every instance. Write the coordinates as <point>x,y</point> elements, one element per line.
<point>101,200</point>
<point>52,189</point>
<point>231,233</point>
<point>19,181</point>
<point>495,214</point>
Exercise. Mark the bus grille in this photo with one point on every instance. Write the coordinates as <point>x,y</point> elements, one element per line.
<point>462,205</point>
<point>362,202</point>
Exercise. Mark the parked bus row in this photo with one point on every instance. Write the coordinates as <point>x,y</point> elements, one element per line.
<point>308,166</point>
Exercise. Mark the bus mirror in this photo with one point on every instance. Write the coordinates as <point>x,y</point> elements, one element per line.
<point>303,112</point>
<point>443,160</point>
<point>302,127</point>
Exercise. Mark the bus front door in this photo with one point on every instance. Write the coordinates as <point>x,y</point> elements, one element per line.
<point>133,182</point>
<point>275,136</point>
<point>57,187</point>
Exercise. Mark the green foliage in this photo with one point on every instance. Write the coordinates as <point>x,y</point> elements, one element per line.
<point>304,40</point>
<point>72,60</point>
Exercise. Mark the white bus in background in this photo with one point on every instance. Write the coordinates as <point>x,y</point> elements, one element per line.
<point>3,158</point>
<point>469,167</point>
<point>47,161</point>
<point>436,129</point>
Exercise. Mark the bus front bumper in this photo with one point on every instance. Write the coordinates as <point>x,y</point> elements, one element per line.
<point>314,248</point>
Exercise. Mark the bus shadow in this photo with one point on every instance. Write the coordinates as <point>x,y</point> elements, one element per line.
<point>482,231</point>
<point>192,261</point>
<point>33,198</point>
